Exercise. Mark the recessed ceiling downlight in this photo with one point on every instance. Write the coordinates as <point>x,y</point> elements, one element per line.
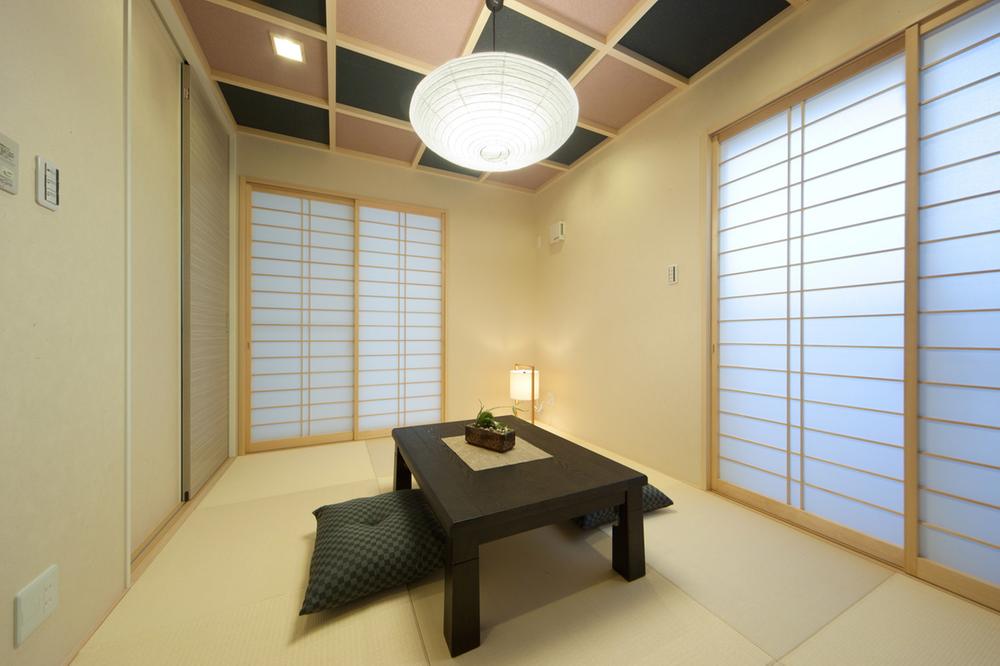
<point>288,48</point>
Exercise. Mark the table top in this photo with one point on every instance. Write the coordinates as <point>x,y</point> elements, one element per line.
<point>460,495</point>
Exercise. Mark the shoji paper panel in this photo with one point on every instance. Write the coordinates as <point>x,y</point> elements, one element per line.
<point>811,231</point>
<point>960,295</point>
<point>302,316</point>
<point>399,319</point>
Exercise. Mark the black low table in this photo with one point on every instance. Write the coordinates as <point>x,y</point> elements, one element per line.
<point>479,507</point>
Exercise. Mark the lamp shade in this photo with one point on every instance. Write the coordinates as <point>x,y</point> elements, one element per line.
<point>520,384</point>
<point>494,111</point>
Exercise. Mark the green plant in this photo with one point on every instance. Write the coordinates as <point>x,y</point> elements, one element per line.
<point>486,420</point>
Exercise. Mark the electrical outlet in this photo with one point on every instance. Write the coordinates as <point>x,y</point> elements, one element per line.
<point>35,602</point>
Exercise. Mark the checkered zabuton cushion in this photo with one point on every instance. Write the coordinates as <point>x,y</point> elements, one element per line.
<point>370,544</point>
<point>652,499</point>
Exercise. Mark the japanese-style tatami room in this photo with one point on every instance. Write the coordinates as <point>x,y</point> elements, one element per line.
<point>500,332</point>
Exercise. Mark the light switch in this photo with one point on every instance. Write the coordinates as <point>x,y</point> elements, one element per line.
<point>46,183</point>
<point>672,275</point>
<point>8,164</point>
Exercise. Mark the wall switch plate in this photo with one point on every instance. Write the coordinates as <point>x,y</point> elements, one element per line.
<point>46,183</point>
<point>35,602</point>
<point>8,164</point>
<point>673,276</point>
<point>557,232</point>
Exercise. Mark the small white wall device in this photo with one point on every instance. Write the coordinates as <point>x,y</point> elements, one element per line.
<point>557,232</point>
<point>46,183</point>
<point>35,602</point>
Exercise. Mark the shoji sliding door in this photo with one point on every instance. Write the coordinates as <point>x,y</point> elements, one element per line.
<point>856,382</point>
<point>400,355</point>
<point>343,318</point>
<point>810,334</point>
<point>959,260</point>
<point>301,307</point>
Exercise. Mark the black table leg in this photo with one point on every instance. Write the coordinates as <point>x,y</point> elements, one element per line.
<point>461,603</point>
<point>401,477</point>
<point>628,549</point>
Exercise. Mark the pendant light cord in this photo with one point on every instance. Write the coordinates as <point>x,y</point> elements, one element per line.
<point>494,6</point>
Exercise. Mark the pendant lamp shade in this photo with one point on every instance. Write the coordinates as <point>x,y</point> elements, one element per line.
<point>494,111</point>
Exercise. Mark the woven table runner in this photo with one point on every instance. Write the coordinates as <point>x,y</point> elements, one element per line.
<point>479,458</point>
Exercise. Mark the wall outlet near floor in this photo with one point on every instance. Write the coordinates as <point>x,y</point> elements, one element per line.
<point>35,602</point>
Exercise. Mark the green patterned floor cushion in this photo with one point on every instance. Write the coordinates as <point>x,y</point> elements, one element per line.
<point>652,499</point>
<point>370,544</point>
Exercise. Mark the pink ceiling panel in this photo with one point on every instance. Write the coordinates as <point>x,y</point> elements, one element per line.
<point>432,31</point>
<point>614,93</point>
<point>531,177</point>
<point>239,44</point>
<point>375,138</point>
<point>595,16</point>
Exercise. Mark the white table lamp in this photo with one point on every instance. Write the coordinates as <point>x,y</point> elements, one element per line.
<point>522,387</point>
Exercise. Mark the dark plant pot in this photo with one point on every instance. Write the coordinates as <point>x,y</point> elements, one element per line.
<point>488,439</point>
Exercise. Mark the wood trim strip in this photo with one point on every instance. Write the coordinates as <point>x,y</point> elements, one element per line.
<point>357,299</point>
<point>911,305</point>
<point>282,138</point>
<point>186,278</point>
<point>381,53</point>
<point>968,586</point>
<point>244,318</point>
<point>647,66</point>
<point>713,383</point>
<point>371,116</point>
<point>949,14</point>
<point>268,89</point>
<point>331,70</point>
<point>299,442</point>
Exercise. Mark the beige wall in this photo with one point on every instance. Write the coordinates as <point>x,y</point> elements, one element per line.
<point>625,355</point>
<point>62,347</point>
<point>156,281</point>
<point>489,257</point>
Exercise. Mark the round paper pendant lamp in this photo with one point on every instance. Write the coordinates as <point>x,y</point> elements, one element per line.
<point>494,111</point>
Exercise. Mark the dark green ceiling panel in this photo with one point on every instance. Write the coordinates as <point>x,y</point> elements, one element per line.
<point>374,85</point>
<point>276,114</point>
<point>579,143</point>
<point>433,160</point>
<point>686,35</point>
<point>516,33</point>
<point>310,10</point>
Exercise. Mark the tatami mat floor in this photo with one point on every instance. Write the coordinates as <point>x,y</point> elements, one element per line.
<point>724,585</point>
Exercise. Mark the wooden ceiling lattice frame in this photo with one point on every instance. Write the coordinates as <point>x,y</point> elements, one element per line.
<point>603,46</point>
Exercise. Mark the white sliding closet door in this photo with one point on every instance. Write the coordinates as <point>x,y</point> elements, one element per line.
<point>155,92</point>
<point>399,319</point>
<point>302,320</point>
<point>960,295</point>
